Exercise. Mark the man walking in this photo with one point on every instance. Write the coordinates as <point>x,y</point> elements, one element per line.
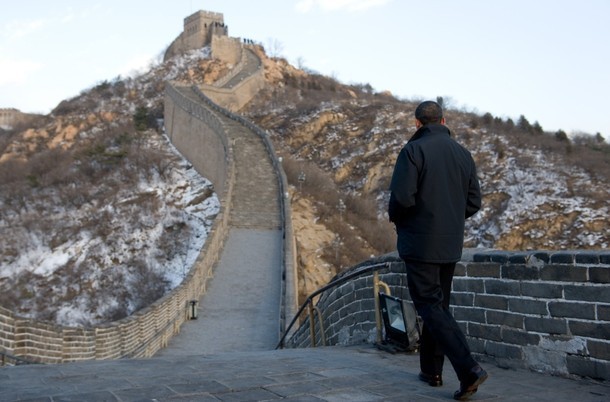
<point>434,189</point>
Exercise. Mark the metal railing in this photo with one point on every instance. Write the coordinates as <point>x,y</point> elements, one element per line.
<point>312,310</point>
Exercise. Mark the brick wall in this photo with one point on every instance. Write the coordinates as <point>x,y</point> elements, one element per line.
<point>547,311</point>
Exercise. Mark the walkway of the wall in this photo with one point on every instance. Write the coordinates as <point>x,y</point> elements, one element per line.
<point>547,311</point>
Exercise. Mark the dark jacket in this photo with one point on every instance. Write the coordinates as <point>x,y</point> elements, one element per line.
<point>434,189</point>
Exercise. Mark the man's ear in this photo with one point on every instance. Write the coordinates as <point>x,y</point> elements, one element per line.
<point>443,121</point>
<point>418,124</point>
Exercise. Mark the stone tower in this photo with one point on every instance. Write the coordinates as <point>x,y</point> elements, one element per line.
<point>199,28</point>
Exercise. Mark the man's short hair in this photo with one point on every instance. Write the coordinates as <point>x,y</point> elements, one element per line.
<point>429,112</point>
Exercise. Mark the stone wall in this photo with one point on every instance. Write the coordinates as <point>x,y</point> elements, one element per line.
<point>236,96</point>
<point>149,329</point>
<point>198,135</point>
<point>199,29</point>
<point>546,311</point>
<point>227,49</point>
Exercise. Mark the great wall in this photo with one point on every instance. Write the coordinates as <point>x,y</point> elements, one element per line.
<point>543,310</point>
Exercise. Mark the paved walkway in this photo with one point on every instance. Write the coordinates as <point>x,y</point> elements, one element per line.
<point>332,374</point>
<point>240,309</point>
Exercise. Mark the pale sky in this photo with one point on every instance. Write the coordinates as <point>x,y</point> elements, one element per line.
<point>548,60</point>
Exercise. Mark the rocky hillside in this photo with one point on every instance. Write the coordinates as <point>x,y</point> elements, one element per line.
<point>100,216</point>
<point>541,190</point>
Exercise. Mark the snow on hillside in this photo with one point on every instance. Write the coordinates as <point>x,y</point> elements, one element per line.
<point>93,258</point>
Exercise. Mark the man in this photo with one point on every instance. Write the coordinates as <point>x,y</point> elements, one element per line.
<point>434,189</point>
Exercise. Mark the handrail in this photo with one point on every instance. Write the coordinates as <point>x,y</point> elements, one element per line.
<point>338,281</point>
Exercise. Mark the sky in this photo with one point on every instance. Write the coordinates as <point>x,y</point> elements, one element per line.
<point>548,60</point>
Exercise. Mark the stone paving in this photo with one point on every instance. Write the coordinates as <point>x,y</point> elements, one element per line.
<point>350,374</point>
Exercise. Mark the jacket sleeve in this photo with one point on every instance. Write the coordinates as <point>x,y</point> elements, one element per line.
<point>473,202</point>
<point>403,186</point>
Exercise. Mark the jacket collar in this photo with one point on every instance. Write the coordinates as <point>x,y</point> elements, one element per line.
<point>430,129</point>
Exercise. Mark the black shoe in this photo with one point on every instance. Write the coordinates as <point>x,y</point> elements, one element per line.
<point>432,380</point>
<point>477,376</point>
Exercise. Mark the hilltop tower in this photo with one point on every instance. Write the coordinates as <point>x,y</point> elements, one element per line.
<point>199,29</point>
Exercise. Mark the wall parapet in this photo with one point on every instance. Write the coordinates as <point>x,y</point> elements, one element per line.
<point>542,310</point>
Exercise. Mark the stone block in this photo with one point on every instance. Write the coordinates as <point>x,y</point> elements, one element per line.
<point>504,318</point>
<point>572,310</point>
<point>503,350</point>
<point>599,349</point>
<point>469,314</point>
<point>587,257</point>
<point>603,312</point>
<point>462,299</point>
<point>520,272</point>
<point>563,273</point>
<point>501,287</point>
<point>468,285</point>
<point>604,257</point>
<point>483,270</point>
<point>586,367</point>
<point>527,306</point>
<point>519,337</point>
<point>491,302</point>
<point>518,258</point>
<point>591,293</point>
<point>546,325</point>
<point>484,331</point>
<point>599,274</point>
<point>590,329</point>
<point>542,290</point>
<point>562,257</point>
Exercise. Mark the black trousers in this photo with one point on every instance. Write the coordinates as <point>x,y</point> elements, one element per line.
<point>430,290</point>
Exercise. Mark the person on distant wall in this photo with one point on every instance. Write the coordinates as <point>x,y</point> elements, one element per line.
<point>434,189</point>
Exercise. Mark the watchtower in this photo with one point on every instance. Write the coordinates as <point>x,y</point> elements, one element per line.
<point>199,28</point>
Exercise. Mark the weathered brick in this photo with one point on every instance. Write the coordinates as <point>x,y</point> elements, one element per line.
<point>462,299</point>
<point>542,290</point>
<point>562,257</point>
<point>476,345</point>
<point>468,285</point>
<point>503,318</point>
<point>603,312</point>
<point>484,331</point>
<point>527,306</point>
<point>469,314</point>
<point>563,273</point>
<point>604,257</point>
<point>599,349</point>
<point>498,256</point>
<point>460,270</point>
<point>485,270</point>
<point>590,329</point>
<point>503,350</point>
<point>592,293</point>
<point>572,310</point>
<point>519,337</point>
<point>501,287</point>
<point>546,325</point>
<point>492,302</point>
<point>520,272</point>
<point>518,258</point>
<point>587,257</point>
<point>599,274</point>
<point>587,367</point>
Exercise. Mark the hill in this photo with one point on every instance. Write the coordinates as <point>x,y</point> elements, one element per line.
<point>100,215</point>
